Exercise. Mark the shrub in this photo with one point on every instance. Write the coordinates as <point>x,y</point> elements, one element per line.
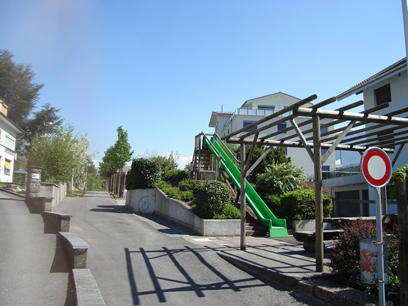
<point>187,196</point>
<point>300,204</point>
<point>345,258</point>
<point>143,174</point>
<point>175,176</point>
<point>187,185</point>
<point>279,178</point>
<point>229,212</point>
<point>210,198</point>
<point>273,202</point>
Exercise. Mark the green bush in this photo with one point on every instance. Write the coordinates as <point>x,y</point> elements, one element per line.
<point>279,178</point>
<point>300,204</point>
<point>273,202</point>
<point>175,176</point>
<point>174,192</point>
<point>187,196</point>
<point>94,182</point>
<point>143,174</point>
<point>187,185</point>
<point>210,198</point>
<point>229,212</point>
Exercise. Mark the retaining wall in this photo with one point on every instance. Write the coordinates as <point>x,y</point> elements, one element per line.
<point>154,201</point>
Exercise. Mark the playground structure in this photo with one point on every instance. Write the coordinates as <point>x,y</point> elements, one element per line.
<point>375,130</point>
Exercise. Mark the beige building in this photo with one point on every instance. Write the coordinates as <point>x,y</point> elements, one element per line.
<point>8,135</point>
<point>255,109</point>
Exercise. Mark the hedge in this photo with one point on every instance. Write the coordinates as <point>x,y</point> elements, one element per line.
<point>143,174</point>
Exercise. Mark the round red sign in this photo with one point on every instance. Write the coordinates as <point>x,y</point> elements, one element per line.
<point>376,167</point>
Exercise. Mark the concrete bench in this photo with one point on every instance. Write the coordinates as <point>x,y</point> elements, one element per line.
<point>55,222</point>
<point>308,237</point>
<point>86,289</point>
<point>75,248</point>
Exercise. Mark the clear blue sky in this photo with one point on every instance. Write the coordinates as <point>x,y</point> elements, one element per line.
<point>160,67</point>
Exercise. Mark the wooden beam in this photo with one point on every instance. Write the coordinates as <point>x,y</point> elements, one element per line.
<point>319,252</point>
<point>373,127</point>
<point>274,115</point>
<point>299,144</point>
<point>389,135</point>
<point>268,126</point>
<point>251,152</point>
<point>243,200</point>
<point>394,160</point>
<point>350,106</point>
<point>337,142</point>
<point>264,154</point>
<point>304,111</point>
<point>337,131</point>
<point>302,138</point>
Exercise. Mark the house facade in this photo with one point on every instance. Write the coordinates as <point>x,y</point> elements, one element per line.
<point>8,135</point>
<point>255,109</point>
<point>353,197</point>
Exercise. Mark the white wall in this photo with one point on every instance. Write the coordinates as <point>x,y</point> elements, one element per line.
<point>399,99</point>
<point>6,152</point>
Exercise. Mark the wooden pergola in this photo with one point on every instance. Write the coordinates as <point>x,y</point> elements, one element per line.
<point>346,130</point>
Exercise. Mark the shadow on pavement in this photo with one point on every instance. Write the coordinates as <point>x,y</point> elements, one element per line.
<point>164,286</point>
<point>112,208</point>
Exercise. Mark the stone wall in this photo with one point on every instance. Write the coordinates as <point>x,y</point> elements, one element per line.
<point>154,201</point>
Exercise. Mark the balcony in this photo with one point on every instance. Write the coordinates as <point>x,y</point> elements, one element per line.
<point>256,112</point>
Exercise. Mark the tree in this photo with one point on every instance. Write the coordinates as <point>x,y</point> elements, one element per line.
<point>61,156</point>
<point>279,178</point>
<point>165,163</point>
<point>275,156</point>
<point>117,155</point>
<point>43,122</point>
<point>17,88</point>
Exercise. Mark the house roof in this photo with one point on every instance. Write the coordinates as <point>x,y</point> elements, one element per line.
<point>214,114</point>
<point>395,68</point>
<point>270,95</point>
<point>9,123</point>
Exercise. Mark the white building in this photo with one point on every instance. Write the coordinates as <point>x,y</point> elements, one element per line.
<point>8,135</point>
<point>390,85</point>
<point>255,109</point>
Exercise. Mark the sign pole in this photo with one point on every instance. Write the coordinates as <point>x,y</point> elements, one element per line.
<point>380,250</point>
<point>376,168</point>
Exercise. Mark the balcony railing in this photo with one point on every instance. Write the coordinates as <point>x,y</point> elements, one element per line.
<point>255,112</point>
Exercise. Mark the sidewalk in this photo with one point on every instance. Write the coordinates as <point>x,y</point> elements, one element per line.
<point>284,261</point>
<point>32,271</point>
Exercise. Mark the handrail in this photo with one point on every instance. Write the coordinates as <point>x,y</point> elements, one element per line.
<point>227,150</point>
<point>211,145</point>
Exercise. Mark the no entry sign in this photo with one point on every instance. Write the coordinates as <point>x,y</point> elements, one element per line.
<point>376,167</point>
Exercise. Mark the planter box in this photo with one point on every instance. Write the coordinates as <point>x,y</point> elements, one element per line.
<point>154,201</point>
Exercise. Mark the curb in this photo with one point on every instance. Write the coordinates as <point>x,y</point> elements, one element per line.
<point>321,287</point>
<point>12,192</point>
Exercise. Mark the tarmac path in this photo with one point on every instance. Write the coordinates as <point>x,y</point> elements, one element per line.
<point>139,260</point>
<point>30,273</point>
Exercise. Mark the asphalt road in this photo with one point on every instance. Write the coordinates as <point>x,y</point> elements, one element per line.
<point>146,261</point>
<point>30,273</point>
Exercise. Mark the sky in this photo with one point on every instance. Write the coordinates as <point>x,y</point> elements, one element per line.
<point>160,67</point>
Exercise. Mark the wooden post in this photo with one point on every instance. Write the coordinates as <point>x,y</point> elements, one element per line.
<point>243,199</point>
<point>384,200</point>
<point>318,195</point>
<point>402,198</point>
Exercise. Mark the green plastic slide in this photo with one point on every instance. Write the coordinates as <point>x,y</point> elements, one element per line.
<point>277,227</point>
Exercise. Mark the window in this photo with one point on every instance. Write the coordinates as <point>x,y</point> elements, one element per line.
<point>10,142</point>
<point>324,130</point>
<point>325,172</point>
<point>324,150</point>
<point>7,167</point>
<point>382,94</point>
<point>267,107</point>
<point>281,126</point>
<point>246,123</point>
